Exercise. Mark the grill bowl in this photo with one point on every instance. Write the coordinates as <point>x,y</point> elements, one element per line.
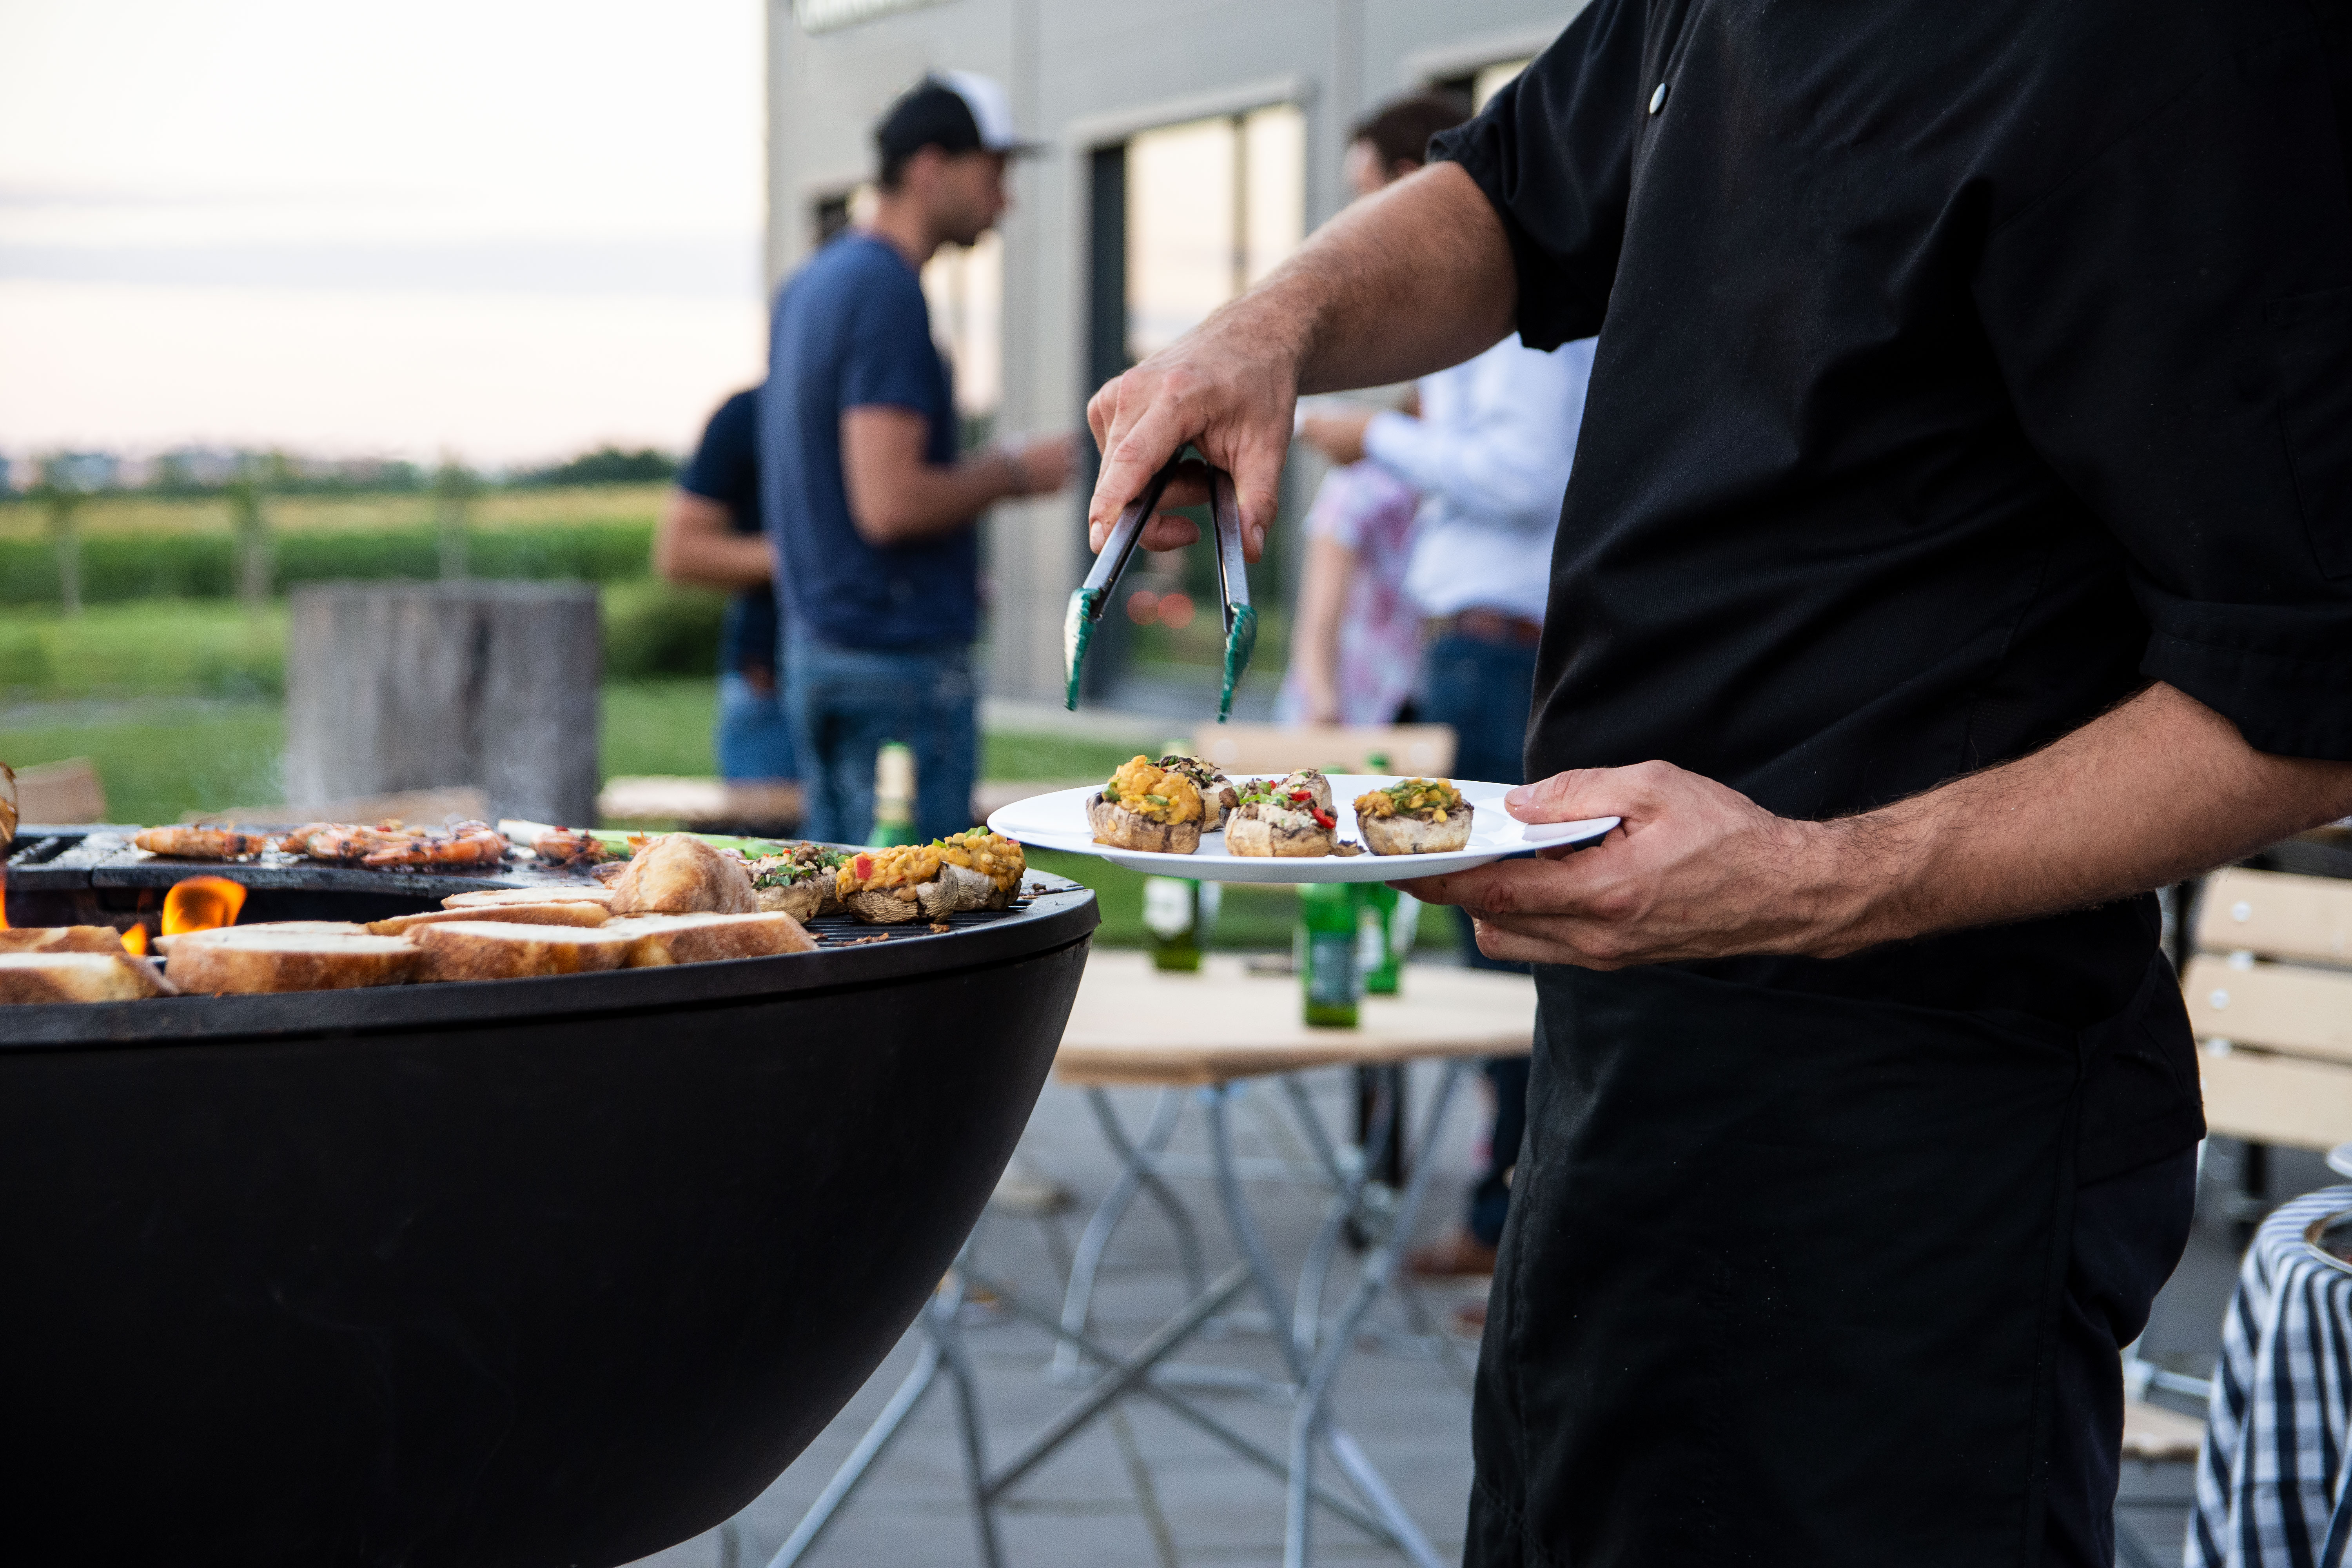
<point>538,1271</point>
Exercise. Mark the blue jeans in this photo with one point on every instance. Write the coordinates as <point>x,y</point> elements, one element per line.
<point>845,701</point>
<point>753,738</point>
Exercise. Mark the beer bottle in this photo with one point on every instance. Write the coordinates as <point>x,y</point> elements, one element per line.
<point>1326,951</point>
<point>1173,913</point>
<point>1377,924</point>
<point>894,795</point>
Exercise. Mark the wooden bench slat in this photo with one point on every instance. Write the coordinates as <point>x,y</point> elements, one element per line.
<point>2277,1100</point>
<point>2302,1012</point>
<point>2278,915</point>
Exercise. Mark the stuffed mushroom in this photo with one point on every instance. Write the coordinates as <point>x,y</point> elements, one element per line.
<point>973,870</point>
<point>1218,795</point>
<point>1146,806</point>
<point>1288,816</point>
<point>1415,817</point>
<point>799,881</point>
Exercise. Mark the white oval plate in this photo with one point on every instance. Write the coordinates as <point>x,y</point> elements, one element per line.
<point>1058,820</point>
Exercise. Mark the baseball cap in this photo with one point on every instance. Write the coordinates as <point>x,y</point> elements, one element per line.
<point>956,111</point>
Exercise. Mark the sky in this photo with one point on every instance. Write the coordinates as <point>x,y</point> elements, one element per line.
<point>506,231</point>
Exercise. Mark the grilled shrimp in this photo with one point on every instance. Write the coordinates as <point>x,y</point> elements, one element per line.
<point>199,843</point>
<point>466,844</point>
<point>566,847</point>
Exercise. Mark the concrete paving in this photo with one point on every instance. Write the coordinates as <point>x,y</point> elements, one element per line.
<point>1141,1487</point>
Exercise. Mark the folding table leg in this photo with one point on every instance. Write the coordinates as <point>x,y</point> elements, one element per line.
<point>945,1333</point>
<point>1138,1173</point>
<point>1311,1414</point>
<point>852,1474</point>
<point>1306,1313</point>
<point>1407,1534</point>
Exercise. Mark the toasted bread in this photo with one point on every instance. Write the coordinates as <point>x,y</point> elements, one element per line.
<point>554,912</point>
<point>60,938</point>
<point>1416,835</point>
<point>702,939</point>
<point>26,977</point>
<point>491,898</point>
<point>165,945</point>
<point>495,950</point>
<point>1114,825</point>
<point>678,874</point>
<point>268,958</point>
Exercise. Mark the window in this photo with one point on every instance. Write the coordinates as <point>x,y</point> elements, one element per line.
<point>1213,205</point>
<point>1477,87</point>
<point>965,288</point>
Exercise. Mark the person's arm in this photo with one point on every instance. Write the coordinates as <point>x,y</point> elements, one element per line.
<point>2153,791</point>
<point>695,542</point>
<point>1508,461</point>
<point>1315,631</point>
<point>898,496</point>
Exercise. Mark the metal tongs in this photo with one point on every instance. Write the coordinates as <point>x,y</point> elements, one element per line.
<point>1094,595</point>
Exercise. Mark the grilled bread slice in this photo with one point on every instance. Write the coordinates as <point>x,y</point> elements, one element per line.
<point>78,977</point>
<point>562,912</point>
<point>491,898</point>
<point>60,938</point>
<point>165,945</point>
<point>678,874</point>
<point>256,959</point>
<point>496,950</point>
<point>702,939</point>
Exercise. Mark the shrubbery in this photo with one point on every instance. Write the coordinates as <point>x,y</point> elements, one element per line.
<point>653,630</point>
<point>192,566</point>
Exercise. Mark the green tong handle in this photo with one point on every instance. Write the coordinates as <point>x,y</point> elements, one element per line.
<point>1086,606</point>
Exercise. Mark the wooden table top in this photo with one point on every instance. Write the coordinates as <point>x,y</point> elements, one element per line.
<point>1135,1025</point>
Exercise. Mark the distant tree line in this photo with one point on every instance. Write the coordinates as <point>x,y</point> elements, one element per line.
<point>208,474</point>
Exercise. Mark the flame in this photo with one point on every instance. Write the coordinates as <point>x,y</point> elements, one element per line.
<point>134,940</point>
<point>3,894</point>
<point>200,903</point>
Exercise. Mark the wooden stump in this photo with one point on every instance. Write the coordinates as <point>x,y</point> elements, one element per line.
<point>409,686</point>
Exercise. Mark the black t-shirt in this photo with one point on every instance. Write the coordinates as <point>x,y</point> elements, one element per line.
<point>726,469</point>
<point>1960,370</point>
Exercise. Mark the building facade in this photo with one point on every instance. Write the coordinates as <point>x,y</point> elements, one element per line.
<point>1193,144</point>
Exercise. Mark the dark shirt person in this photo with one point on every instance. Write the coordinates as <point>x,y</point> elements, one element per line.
<point>1959,546</point>
<point>862,487</point>
<point>710,536</point>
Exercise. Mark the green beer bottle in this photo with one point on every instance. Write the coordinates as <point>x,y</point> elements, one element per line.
<point>1174,911</point>
<point>1326,949</point>
<point>1377,952</point>
<point>894,795</point>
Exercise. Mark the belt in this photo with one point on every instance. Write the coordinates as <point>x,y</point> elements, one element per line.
<point>1486,626</point>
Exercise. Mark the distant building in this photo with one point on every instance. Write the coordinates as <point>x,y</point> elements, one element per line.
<point>199,467</point>
<point>1194,146</point>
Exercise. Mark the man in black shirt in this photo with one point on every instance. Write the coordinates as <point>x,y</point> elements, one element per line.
<point>1959,545</point>
<point>710,534</point>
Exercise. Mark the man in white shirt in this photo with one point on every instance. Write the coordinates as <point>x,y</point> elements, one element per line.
<point>1489,453</point>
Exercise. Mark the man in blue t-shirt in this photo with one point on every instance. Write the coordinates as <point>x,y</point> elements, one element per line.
<point>710,534</point>
<point>870,508</point>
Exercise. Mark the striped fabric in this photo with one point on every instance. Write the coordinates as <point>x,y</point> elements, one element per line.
<point>2274,1482</point>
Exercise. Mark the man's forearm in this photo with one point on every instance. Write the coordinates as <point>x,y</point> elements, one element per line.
<point>1399,284</point>
<point>2159,789</point>
<point>926,501</point>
